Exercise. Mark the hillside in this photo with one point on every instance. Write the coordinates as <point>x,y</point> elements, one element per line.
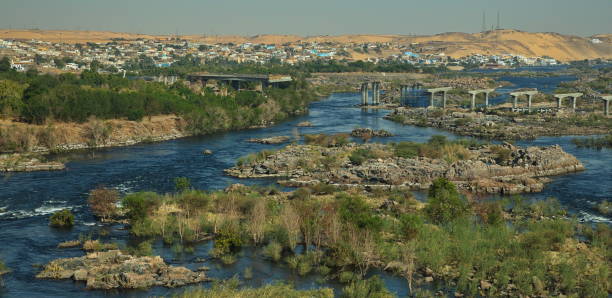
<point>455,44</point>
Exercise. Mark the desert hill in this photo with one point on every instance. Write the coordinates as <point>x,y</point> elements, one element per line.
<point>455,44</point>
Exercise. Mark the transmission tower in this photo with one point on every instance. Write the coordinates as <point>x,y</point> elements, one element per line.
<point>484,22</point>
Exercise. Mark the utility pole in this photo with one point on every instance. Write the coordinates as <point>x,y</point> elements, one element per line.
<point>484,22</point>
<point>498,27</point>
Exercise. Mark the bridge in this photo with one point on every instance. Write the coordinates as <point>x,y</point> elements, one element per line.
<point>235,80</point>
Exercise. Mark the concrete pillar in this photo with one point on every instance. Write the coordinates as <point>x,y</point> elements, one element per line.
<point>607,107</point>
<point>574,102</point>
<point>444,100</point>
<point>559,102</point>
<point>486,99</point>
<point>431,99</point>
<point>377,94</point>
<point>473,101</point>
<point>364,94</point>
<point>529,101</point>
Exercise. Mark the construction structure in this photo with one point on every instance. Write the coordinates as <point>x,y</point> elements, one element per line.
<point>476,92</point>
<point>365,89</point>
<point>560,98</point>
<point>515,96</point>
<point>433,92</point>
<point>237,81</point>
<point>607,100</point>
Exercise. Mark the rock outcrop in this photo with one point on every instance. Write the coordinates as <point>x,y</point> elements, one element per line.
<point>115,270</point>
<point>363,132</point>
<point>270,140</point>
<point>484,171</point>
<point>492,126</point>
<point>27,163</point>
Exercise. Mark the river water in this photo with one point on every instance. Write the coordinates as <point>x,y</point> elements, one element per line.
<point>27,199</point>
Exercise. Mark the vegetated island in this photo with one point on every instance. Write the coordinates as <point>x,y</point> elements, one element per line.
<point>42,113</point>
<point>479,168</point>
<point>449,244</point>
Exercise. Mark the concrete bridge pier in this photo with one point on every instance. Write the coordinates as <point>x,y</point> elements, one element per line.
<point>515,96</point>
<point>560,98</point>
<point>607,100</point>
<point>375,93</point>
<point>433,92</point>
<point>364,94</point>
<point>476,92</point>
<point>529,101</point>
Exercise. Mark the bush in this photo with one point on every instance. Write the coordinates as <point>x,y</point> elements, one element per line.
<point>102,202</point>
<point>62,219</point>
<point>410,225</point>
<point>142,249</point>
<point>324,140</point>
<point>359,156</point>
<point>3,268</point>
<point>354,209</point>
<point>501,153</point>
<point>138,205</point>
<point>372,287</point>
<point>182,184</point>
<point>406,149</point>
<point>273,251</point>
<point>445,202</point>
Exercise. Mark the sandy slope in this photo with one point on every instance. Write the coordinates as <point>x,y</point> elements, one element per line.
<point>455,44</point>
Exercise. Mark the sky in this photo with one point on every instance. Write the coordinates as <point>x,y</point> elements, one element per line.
<point>307,17</point>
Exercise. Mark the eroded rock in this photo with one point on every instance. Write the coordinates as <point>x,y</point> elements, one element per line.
<point>113,269</point>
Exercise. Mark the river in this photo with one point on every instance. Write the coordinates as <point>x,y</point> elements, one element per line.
<point>27,199</point>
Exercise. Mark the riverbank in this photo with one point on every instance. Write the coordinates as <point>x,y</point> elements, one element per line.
<point>502,169</point>
<point>501,125</point>
<point>22,140</point>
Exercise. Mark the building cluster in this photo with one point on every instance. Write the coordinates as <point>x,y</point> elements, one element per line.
<point>120,55</point>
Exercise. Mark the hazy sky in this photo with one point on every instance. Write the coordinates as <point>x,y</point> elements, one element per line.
<point>307,17</point>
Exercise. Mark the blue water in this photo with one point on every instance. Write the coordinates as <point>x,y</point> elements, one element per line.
<point>26,199</point>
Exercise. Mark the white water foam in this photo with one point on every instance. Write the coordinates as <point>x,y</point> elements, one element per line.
<point>589,217</point>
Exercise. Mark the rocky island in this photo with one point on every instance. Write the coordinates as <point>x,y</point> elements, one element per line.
<point>113,269</point>
<point>502,125</point>
<point>504,169</point>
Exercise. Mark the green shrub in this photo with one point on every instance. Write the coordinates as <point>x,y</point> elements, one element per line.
<point>410,225</point>
<point>445,202</point>
<point>143,248</point>
<point>62,219</point>
<point>228,240</point>
<point>355,210</point>
<point>372,287</point>
<point>273,251</point>
<point>182,184</point>
<point>406,149</point>
<point>359,156</point>
<point>324,140</point>
<point>138,205</point>
<point>501,153</point>
<point>3,268</point>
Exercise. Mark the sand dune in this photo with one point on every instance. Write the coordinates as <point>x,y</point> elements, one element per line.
<point>455,44</point>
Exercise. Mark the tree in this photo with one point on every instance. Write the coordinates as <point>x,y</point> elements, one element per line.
<point>102,202</point>
<point>5,64</point>
<point>59,63</point>
<point>11,98</point>
<point>62,219</point>
<point>445,202</point>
